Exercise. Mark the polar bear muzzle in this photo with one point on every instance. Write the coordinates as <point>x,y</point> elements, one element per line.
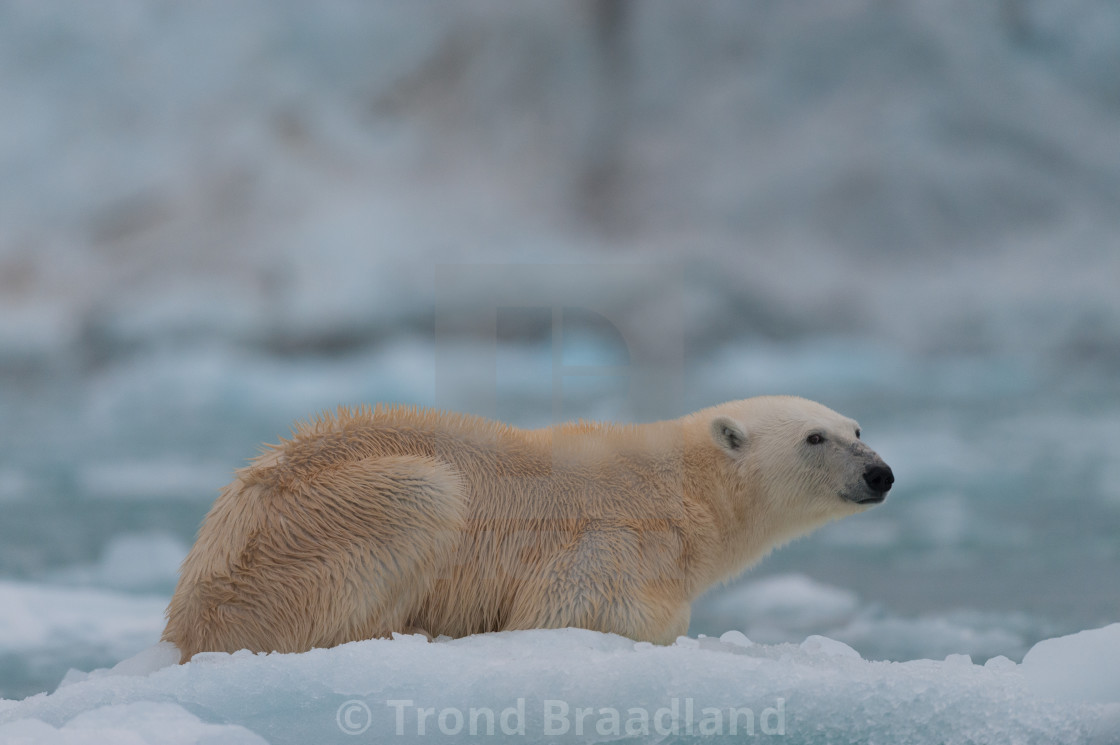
<point>878,477</point>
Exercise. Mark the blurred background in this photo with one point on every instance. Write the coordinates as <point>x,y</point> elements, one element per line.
<point>219,217</point>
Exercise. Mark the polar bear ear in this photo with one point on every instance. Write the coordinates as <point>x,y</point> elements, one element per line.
<point>728,434</point>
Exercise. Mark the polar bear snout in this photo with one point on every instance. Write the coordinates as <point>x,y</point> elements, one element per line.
<point>879,479</point>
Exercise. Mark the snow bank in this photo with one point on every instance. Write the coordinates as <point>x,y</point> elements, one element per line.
<point>1080,667</point>
<point>572,685</point>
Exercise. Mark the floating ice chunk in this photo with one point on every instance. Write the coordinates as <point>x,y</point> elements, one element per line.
<point>736,638</point>
<point>146,662</point>
<point>773,608</point>
<point>896,638</point>
<point>999,663</point>
<point>48,630</point>
<point>787,608</point>
<point>41,617</point>
<point>823,645</point>
<point>155,657</point>
<point>135,561</point>
<point>1080,667</point>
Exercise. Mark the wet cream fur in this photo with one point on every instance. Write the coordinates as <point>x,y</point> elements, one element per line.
<point>390,519</point>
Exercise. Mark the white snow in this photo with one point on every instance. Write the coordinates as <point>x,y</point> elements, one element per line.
<point>1080,667</point>
<point>817,644</point>
<point>572,685</point>
<point>735,638</point>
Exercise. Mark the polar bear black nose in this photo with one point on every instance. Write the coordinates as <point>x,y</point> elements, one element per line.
<point>879,478</point>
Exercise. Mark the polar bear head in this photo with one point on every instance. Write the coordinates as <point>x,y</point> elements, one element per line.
<point>799,459</point>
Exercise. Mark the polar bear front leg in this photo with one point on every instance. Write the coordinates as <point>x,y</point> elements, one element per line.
<point>598,581</point>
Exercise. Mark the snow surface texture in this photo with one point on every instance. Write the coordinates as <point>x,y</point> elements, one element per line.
<point>572,685</point>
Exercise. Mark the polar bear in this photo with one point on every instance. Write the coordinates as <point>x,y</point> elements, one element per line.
<point>395,519</point>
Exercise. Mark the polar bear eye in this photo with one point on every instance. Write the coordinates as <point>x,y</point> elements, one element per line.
<point>814,439</point>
